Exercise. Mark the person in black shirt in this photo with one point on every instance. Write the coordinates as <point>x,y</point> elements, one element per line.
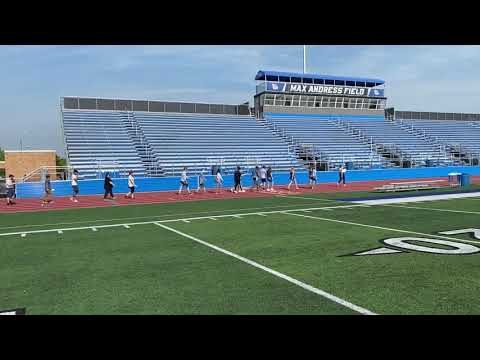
<point>108,186</point>
<point>237,178</point>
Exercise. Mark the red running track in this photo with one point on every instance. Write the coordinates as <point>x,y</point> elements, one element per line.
<point>91,201</point>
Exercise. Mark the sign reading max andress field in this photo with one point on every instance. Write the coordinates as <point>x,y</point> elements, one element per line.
<point>324,89</point>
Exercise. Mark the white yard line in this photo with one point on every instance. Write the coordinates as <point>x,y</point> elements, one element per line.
<point>379,227</point>
<point>275,273</point>
<point>167,221</point>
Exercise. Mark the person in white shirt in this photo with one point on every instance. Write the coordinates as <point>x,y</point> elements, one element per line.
<point>10,185</point>
<point>131,186</point>
<point>184,182</point>
<point>75,189</point>
<point>218,181</point>
<point>313,177</point>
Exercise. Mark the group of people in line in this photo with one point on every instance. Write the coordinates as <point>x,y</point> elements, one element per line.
<point>262,180</point>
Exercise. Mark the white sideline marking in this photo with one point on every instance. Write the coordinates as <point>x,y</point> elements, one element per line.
<point>153,216</point>
<point>418,198</point>
<point>237,216</point>
<point>379,227</point>
<point>433,209</point>
<point>304,197</point>
<point>275,273</point>
<point>167,221</point>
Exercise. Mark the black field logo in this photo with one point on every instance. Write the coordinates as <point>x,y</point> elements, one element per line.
<point>427,245</point>
<point>21,311</point>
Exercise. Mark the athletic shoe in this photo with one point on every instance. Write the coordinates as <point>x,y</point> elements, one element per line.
<point>75,200</point>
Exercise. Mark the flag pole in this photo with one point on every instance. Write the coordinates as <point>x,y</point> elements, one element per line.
<point>304,59</point>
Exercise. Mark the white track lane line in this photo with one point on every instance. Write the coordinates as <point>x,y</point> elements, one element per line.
<point>379,227</point>
<point>275,273</point>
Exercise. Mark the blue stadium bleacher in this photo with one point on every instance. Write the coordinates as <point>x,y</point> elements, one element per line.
<point>332,143</point>
<point>414,146</point>
<point>463,136</point>
<point>98,141</point>
<point>161,144</point>
<point>201,140</point>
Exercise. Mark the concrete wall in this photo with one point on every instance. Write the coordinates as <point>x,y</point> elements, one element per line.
<point>20,163</point>
<point>95,187</point>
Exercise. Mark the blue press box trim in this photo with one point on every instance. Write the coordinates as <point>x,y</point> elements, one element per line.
<point>95,187</point>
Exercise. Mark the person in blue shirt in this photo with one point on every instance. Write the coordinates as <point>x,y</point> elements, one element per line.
<point>47,188</point>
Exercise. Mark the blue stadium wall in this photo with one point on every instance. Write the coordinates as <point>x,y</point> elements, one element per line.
<point>95,187</point>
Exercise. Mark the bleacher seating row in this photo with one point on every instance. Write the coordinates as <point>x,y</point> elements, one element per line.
<point>175,140</point>
<point>462,134</point>
<point>101,140</point>
<point>330,141</point>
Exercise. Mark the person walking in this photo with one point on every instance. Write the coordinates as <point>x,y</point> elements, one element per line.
<point>313,177</point>
<point>108,186</point>
<point>47,188</point>
<point>10,185</point>
<point>131,186</point>
<point>201,183</point>
<point>218,181</point>
<point>269,179</point>
<point>75,189</point>
<point>341,175</point>
<point>184,181</point>
<point>293,179</point>
<point>237,176</point>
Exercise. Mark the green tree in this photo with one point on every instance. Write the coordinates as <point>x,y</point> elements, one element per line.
<point>2,155</point>
<point>61,161</point>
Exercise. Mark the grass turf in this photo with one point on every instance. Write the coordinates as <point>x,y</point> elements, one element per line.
<point>149,270</point>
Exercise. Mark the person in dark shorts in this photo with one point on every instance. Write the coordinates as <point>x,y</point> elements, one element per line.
<point>10,185</point>
<point>254,178</point>
<point>108,187</point>
<point>237,176</point>
<point>184,182</point>
<point>75,189</point>
<point>201,183</point>
<point>47,188</point>
<point>263,177</point>
<point>341,175</point>
<point>293,179</point>
<point>131,186</point>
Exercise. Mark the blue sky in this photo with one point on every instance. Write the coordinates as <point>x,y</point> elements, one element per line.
<point>33,78</point>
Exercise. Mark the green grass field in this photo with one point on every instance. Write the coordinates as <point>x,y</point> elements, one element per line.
<point>243,256</point>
